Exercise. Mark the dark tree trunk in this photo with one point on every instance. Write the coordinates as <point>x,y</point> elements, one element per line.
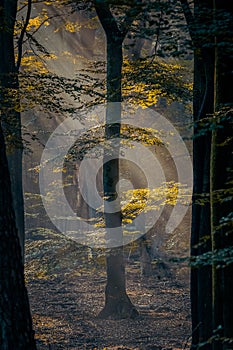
<point>221,176</point>
<point>211,286</point>
<point>9,104</point>
<point>117,302</point>
<point>201,278</point>
<point>200,237</point>
<point>15,319</point>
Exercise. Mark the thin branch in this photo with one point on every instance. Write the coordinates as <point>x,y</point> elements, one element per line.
<point>21,37</point>
<point>39,46</point>
<point>44,21</point>
<point>190,336</point>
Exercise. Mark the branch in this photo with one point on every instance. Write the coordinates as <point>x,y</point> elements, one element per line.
<point>39,46</point>
<point>107,20</point>
<point>41,24</point>
<point>21,37</point>
<point>189,17</point>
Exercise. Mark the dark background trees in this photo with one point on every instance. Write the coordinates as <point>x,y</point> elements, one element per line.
<point>203,108</point>
<point>221,176</point>
<point>211,31</point>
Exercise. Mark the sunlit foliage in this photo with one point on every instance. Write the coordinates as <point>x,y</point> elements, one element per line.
<point>145,80</point>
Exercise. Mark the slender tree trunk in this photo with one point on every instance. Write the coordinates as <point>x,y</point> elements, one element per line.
<point>117,302</point>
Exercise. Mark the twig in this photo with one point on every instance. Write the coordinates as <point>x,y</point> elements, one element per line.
<point>21,37</point>
<point>190,336</point>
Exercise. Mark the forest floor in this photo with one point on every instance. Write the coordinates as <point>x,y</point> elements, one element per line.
<point>66,290</point>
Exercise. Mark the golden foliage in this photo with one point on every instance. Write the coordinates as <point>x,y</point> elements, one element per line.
<point>72,27</point>
<point>136,200</point>
<point>37,21</point>
<point>145,80</point>
<point>146,136</point>
<point>133,202</point>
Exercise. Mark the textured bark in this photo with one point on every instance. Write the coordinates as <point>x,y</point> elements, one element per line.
<point>117,302</point>
<point>221,175</point>
<point>200,237</point>
<point>10,118</point>
<point>145,256</point>
<point>15,319</point>
<point>201,279</point>
<point>212,32</point>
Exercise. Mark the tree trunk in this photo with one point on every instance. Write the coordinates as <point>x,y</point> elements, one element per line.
<point>15,159</point>
<point>9,104</point>
<point>221,177</point>
<point>201,279</point>
<point>117,302</point>
<point>15,319</point>
<point>145,256</point>
<point>200,236</point>
<point>211,286</point>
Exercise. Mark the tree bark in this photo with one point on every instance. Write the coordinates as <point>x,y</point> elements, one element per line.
<point>117,302</point>
<point>9,104</point>
<point>200,231</point>
<point>203,104</point>
<point>15,318</point>
<point>212,307</point>
<point>221,176</point>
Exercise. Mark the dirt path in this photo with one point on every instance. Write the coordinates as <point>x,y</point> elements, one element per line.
<point>65,302</point>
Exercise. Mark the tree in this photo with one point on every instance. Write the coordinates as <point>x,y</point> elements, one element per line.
<point>117,302</point>
<point>10,104</point>
<point>221,178</point>
<point>211,241</point>
<point>200,237</point>
<point>15,319</point>
<point>114,83</point>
